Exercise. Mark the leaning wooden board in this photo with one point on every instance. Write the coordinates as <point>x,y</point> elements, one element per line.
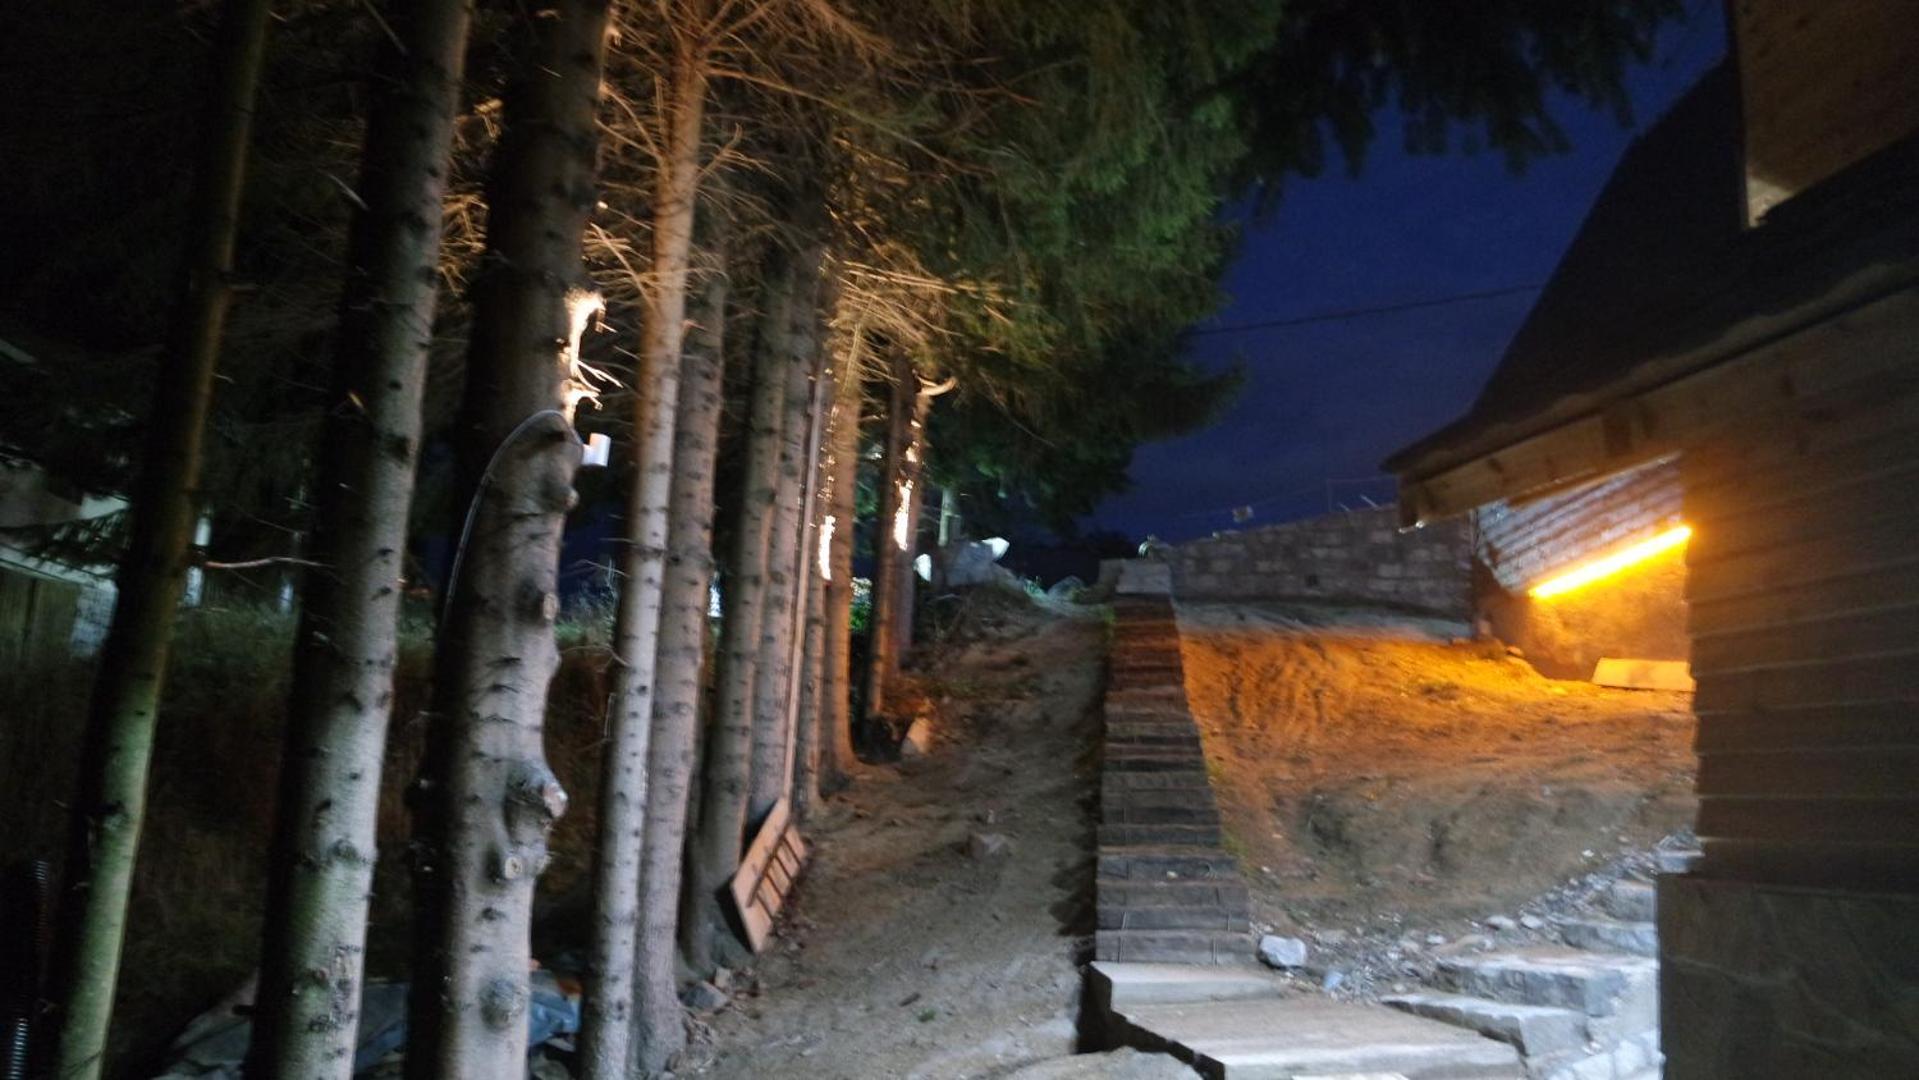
<point>766,876</point>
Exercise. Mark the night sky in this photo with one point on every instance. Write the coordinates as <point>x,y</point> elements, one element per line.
<point>1328,400</point>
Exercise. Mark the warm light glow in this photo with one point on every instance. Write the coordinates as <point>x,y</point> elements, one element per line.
<point>1609,565</point>
<point>582,305</point>
<point>903,518</point>
<point>827,525</point>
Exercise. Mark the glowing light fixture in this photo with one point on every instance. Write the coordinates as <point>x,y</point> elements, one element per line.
<point>1608,565</point>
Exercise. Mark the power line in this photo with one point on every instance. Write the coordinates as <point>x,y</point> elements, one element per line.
<point>1354,313</point>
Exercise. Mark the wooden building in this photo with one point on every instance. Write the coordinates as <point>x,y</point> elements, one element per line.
<point>1743,302</point>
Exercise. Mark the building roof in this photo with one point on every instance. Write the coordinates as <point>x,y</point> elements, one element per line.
<point>1664,279</point>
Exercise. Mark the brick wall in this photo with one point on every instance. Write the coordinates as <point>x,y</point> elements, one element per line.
<point>1358,555</point>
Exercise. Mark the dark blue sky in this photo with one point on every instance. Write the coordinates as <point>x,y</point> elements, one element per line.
<point>1329,400</point>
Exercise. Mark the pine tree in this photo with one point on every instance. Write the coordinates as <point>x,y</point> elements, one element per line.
<point>324,841</point>
<point>486,798</point>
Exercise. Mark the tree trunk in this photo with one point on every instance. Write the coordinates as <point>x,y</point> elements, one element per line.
<point>892,540</point>
<point>814,569</point>
<point>607,1022</point>
<point>488,798</point>
<point>324,840</point>
<point>729,752</point>
<point>118,748</point>
<point>836,655</point>
<point>676,703</point>
<point>949,529</point>
<point>773,696</point>
<point>912,487</point>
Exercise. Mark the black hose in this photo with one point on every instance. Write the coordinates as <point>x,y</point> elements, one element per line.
<point>23,948</point>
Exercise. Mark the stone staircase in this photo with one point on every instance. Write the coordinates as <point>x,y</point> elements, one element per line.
<point>1167,891</point>
<point>1584,1010</point>
<point>1174,968</point>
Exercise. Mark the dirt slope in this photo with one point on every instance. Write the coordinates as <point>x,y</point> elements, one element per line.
<point>1368,770</point>
<point>907,957</point>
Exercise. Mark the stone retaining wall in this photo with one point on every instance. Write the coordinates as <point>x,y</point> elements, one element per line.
<point>1358,555</point>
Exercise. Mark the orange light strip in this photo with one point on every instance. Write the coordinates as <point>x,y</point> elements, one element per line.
<point>1609,565</point>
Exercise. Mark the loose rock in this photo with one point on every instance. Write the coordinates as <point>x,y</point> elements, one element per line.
<point>1282,952</point>
<point>984,846</point>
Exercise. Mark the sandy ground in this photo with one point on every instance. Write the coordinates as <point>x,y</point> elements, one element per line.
<point>907,957</point>
<point>1369,772</point>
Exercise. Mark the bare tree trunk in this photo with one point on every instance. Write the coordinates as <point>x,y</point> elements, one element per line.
<point>911,480</point>
<point>773,695</point>
<point>607,1022</point>
<point>892,540</point>
<point>682,650</point>
<point>324,840</point>
<point>813,570</point>
<point>488,798</point>
<point>836,677</point>
<point>118,749</point>
<point>729,753</point>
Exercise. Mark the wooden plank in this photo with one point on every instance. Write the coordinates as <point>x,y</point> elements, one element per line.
<point>1871,772</point>
<point>1632,674</point>
<point>1827,819</point>
<point>1890,676</point>
<point>1834,636</point>
<point>1867,866</point>
<point>1867,546</point>
<point>1849,593</point>
<point>767,874</point>
<point>1890,723</point>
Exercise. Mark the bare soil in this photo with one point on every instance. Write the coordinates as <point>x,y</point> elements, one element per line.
<point>903,955</point>
<point>1377,775</point>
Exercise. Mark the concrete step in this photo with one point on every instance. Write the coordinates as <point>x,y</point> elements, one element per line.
<point>1126,681</point>
<point>1165,736</point>
<point>1167,863</point>
<point>1633,1058</point>
<point>1121,784</point>
<point>1536,1030</point>
<point>1154,712</point>
<point>1610,935</point>
<point>1161,813</point>
<point>1152,759</point>
<point>1120,985</point>
<point>1596,984</point>
<point>1280,1039</point>
<point>1634,901</point>
<point>1675,862</point>
<point>1189,834</point>
<point>1174,946</point>
<point>1166,917</point>
<point>1228,896</point>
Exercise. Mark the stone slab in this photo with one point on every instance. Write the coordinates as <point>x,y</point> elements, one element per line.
<point>1536,1030</point>
<point>1122,985</point>
<point>1596,984</point>
<point>1610,935</point>
<point>1633,900</point>
<point>1281,1039</point>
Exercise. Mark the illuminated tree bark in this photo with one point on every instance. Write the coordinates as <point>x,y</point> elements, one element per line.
<point>715,851</point>
<point>487,799</point>
<point>324,841</point>
<point>773,694</point>
<point>660,1031</point>
<point>118,747</point>
<point>891,538</point>
<point>607,1022</point>
<point>809,764</point>
<point>841,466</point>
